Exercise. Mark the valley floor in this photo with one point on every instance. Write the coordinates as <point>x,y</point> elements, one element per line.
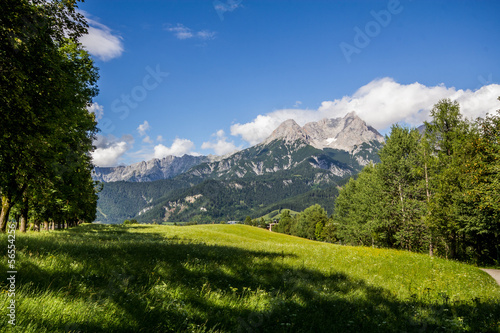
<point>236,278</point>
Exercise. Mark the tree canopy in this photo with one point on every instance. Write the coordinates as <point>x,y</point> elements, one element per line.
<point>437,191</point>
<point>47,83</point>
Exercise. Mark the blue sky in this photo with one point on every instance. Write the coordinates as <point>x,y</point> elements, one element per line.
<point>211,77</point>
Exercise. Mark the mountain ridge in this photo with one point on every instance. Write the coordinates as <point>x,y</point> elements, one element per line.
<point>278,172</point>
<point>337,133</point>
<point>346,134</point>
<point>151,170</point>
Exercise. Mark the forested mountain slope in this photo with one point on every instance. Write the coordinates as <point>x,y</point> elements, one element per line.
<point>291,162</point>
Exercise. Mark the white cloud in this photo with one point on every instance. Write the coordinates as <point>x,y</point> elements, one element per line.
<point>477,103</point>
<point>101,41</point>
<point>221,146</point>
<point>143,128</point>
<point>179,147</point>
<point>182,32</point>
<point>159,138</point>
<point>205,34</point>
<point>110,149</point>
<point>229,6</point>
<point>261,127</point>
<point>380,103</point>
<point>220,134</point>
<point>96,109</point>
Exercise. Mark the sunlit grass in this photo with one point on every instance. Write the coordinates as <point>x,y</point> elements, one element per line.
<point>229,278</point>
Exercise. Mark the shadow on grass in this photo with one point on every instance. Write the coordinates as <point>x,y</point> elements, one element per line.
<point>173,285</point>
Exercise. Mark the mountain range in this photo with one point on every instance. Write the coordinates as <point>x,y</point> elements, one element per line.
<point>294,167</point>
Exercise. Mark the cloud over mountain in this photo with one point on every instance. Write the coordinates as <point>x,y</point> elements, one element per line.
<point>109,149</point>
<point>380,103</point>
<point>179,147</point>
<point>221,146</point>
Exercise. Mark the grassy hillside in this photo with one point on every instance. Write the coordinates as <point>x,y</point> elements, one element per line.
<point>230,278</point>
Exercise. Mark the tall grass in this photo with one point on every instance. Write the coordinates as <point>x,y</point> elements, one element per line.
<point>230,278</point>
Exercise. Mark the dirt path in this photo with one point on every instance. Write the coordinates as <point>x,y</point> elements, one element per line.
<point>495,273</point>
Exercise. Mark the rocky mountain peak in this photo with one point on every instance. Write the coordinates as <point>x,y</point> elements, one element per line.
<point>337,133</point>
<point>345,133</point>
<point>145,171</point>
<point>289,131</point>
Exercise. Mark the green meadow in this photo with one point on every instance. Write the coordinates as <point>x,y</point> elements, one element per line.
<point>235,278</point>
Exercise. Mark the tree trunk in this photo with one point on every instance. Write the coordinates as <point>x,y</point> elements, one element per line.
<point>22,222</point>
<point>53,225</point>
<point>46,225</point>
<point>402,203</point>
<point>427,183</point>
<point>453,246</point>
<point>407,241</point>
<point>4,215</point>
<point>24,213</point>
<point>431,247</point>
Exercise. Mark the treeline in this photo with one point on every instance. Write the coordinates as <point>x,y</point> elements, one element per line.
<point>436,192</point>
<point>47,82</point>
<point>312,223</point>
